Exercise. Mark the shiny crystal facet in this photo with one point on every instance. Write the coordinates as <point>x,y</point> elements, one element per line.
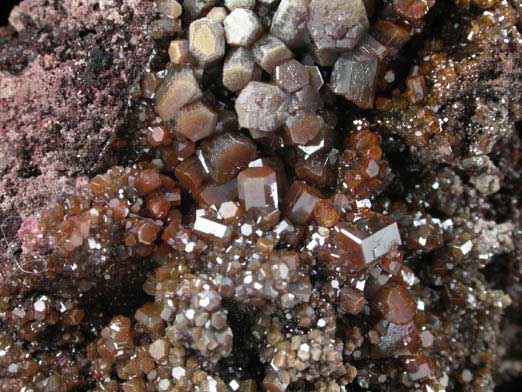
<point>300,201</point>
<point>212,194</point>
<point>369,239</point>
<point>354,77</point>
<point>257,187</point>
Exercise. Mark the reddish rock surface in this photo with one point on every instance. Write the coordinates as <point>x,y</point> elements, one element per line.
<point>65,84</point>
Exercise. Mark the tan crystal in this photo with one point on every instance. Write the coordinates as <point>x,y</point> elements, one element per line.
<point>196,121</point>
<point>238,69</point>
<point>178,89</point>
<point>206,41</point>
<point>179,52</point>
<point>269,52</point>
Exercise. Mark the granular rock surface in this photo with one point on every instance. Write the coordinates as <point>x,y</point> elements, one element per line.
<point>65,85</point>
<point>260,196</point>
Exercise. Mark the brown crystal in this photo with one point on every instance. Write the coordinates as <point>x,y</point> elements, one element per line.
<point>412,10</point>
<point>179,52</point>
<point>178,89</point>
<point>325,214</point>
<point>390,35</point>
<point>291,76</point>
<point>269,52</point>
<point>303,128</point>
<point>257,187</point>
<point>351,301</point>
<point>395,304</point>
<point>158,135</point>
<point>239,69</point>
<point>158,206</point>
<point>196,121</point>
<point>148,181</point>
<point>213,194</point>
<point>206,41</point>
<point>300,201</point>
<point>226,154</point>
<point>416,88</point>
<point>190,174</point>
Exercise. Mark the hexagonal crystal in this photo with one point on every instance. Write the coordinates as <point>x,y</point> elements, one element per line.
<point>257,187</point>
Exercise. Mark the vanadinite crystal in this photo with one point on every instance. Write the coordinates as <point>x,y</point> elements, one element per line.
<point>297,199</point>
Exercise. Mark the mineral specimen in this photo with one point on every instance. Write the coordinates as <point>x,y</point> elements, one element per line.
<point>254,230</point>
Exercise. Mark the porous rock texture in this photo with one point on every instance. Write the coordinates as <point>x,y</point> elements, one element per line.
<point>67,71</point>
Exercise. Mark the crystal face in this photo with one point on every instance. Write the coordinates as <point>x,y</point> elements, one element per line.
<point>257,187</point>
<point>261,107</point>
<point>178,89</point>
<point>355,77</point>
<point>338,24</point>
<point>273,195</point>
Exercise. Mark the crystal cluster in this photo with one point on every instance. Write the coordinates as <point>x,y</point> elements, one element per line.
<point>268,236</point>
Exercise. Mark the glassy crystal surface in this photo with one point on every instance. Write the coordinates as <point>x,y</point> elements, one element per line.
<point>257,187</point>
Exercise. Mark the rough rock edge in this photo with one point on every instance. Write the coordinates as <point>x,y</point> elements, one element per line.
<point>66,77</point>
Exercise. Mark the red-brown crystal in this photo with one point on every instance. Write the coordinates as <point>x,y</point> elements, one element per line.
<point>300,202</point>
<point>257,187</point>
<point>395,304</point>
<point>148,181</point>
<point>226,154</point>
